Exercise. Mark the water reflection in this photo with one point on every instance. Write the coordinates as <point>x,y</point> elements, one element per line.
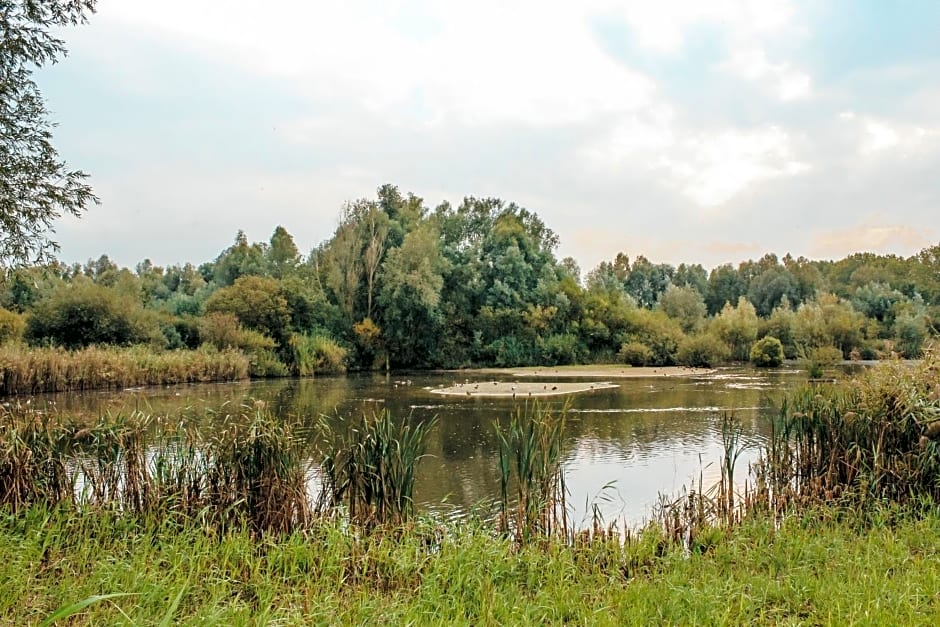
<point>623,446</point>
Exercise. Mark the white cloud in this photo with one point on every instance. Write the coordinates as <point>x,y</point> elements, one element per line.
<point>481,63</point>
<point>708,167</point>
<point>661,25</point>
<point>785,81</point>
<point>875,135</point>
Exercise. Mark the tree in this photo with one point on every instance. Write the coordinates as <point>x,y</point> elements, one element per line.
<point>282,254</point>
<point>737,327</point>
<point>767,352</point>
<point>36,186</point>
<point>684,304</point>
<point>258,303</point>
<point>409,297</point>
<point>83,313</point>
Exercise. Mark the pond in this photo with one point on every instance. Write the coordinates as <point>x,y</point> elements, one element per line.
<point>624,446</point>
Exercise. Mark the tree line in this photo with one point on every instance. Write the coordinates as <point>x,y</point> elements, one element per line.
<point>403,285</point>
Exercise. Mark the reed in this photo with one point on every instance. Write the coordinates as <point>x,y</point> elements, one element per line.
<point>532,484</point>
<point>369,466</point>
<point>876,438</point>
<point>36,370</point>
<point>252,473</point>
<point>316,354</point>
<point>258,474</point>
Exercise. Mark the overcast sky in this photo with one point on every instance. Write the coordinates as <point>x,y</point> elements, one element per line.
<point>700,131</point>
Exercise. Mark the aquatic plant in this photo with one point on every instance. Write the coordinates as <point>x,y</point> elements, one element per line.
<point>369,466</point>
<point>530,457</point>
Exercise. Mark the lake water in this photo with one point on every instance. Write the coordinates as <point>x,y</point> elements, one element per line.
<point>623,446</point>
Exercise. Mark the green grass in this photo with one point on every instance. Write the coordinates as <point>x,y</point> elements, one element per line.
<point>809,571</point>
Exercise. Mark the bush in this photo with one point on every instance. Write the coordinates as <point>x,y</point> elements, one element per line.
<point>258,303</point>
<point>264,363</point>
<point>635,354</point>
<point>703,351</point>
<point>767,352</point>
<point>559,349</point>
<point>12,326</point>
<point>316,354</point>
<point>82,314</point>
<point>223,330</point>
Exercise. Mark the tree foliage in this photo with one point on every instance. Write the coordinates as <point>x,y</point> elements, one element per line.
<point>36,185</point>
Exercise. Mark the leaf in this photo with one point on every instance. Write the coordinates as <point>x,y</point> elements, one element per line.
<point>75,608</point>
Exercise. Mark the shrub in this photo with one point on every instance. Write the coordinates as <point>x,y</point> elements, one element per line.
<point>82,314</point>
<point>635,354</point>
<point>560,349</point>
<point>703,351</point>
<point>12,326</point>
<point>258,303</point>
<point>223,330</point>
<point>316,354</point>
<point>767,352</point>
<point>264,363</point>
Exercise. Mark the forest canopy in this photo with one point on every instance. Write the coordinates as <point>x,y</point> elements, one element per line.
<point>402,285</point>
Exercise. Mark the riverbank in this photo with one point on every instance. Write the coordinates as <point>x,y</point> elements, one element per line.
<point>809,570</point>
<point>593,371</point>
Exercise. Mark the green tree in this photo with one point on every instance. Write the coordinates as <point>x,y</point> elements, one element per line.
<point>769,288</point>
<point>737,327</point>
<point>83,313</point>
<point>724,287</point>
<point>685,305</point>
<point>36,185</point>
<point>258,303</point>
<point>282,255</point>
<point>238,260</point>
<point>409,297</point>
<point>767,352</point>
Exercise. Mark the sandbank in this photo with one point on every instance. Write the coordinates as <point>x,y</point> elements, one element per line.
<point>521,389</point>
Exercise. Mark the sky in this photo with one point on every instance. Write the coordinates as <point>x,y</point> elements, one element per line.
<point>685,131</point>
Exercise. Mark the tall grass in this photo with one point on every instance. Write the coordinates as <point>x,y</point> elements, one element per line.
<point>36,370</point>
<point>316,354</point>
<point>532,485</point>
<point>876,438</point>
<point>252,473</point>
<point>369,466</point>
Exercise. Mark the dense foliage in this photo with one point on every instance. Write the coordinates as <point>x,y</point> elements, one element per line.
<point>401,285</point>
<point>36,185</point>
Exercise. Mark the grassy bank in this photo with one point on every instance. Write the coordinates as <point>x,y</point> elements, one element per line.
<point>36,370</point>
<point>839,524</point>
<point>808,571</point>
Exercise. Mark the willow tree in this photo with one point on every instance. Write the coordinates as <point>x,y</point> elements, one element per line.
<point>36,185</point>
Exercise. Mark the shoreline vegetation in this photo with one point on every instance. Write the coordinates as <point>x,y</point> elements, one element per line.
<point>133,521</point>
<point>402,286</point>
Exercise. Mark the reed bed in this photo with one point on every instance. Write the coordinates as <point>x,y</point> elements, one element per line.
<point>369,466</point>
<point>36,370</point>
<point>532,484</point>
<point>252,473</point>
<point>874,439</point>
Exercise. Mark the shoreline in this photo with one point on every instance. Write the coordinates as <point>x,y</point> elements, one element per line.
<point>608,371</point>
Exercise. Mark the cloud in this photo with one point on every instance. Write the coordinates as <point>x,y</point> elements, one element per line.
<point>785,81</point>
<point>708,167</point>
<point>876,238</point>
<point>685,128</point>
<point>874,135</point>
